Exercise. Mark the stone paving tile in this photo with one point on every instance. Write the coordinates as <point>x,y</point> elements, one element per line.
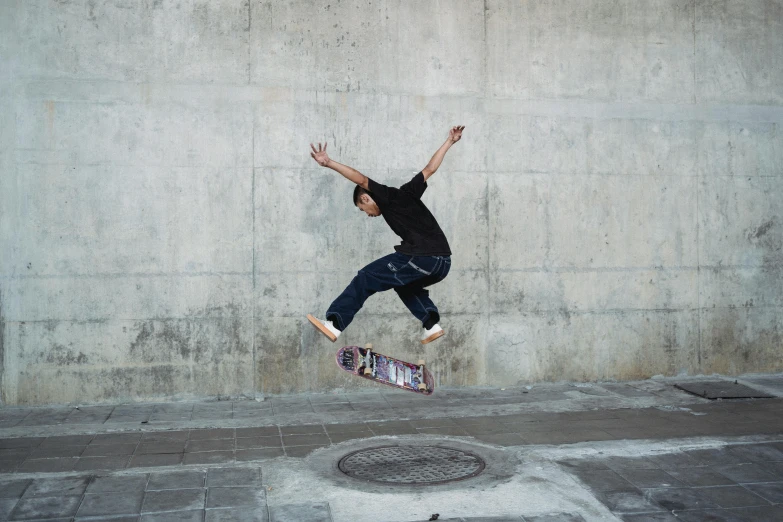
<point>503,518</point>
<point>101,463</point>
<point>258,454</point>
<point>502,439</point>
<point>174,500</point>
<point>48,452</point>
<point>9,466</point>
<point>116,439</point>
<point>108,450</point>
<point>196,515</point>
<point>302,430</point>
<point>315,512</point>
<point>253,414</point>
<point>327,408</point>
<point>305,440</point>
<point>165,436</point>
<point>67,440</point>
<point>267,431</point>
<point>243,514</point>
<point>672,499</point>
<point>628,501</point>
<point>649,478</point>
<point>226,477</point>
<point>214,433</point>
<point>166,446</point>
<point>235,497</point>
<point>109,483</point>
<point>260,442</point>
<point>604,480</point>
<point>650,517</point>
<point>702,476</point>
<point>746,473</point>
<point>360,427</point>
<point>6,506</point>
<point>732,496</point>
<point>43,419</point>
<point>566,437</point>
<point>455,431</point>
<point>21,442</point>
<point>15,453</point>
<point>776,468</point>
<point>676,460</point>
<point>209,445</point>
<point>718,456</point>
<point>553,517</point>
<point>301,451</point>
<point>772,491</point>
<point>751,514</point>
<point>620,463</point>
<point>45,507</point>
<point>758,452</point>
<point>208,457</point>
<point>114,518</point>
<point>148,461</point>
<point>337,438</point>
<point>392,428</point>
<point>52,487</point>
<point>111,503</point>
<point>176,480</point>
<point>47,465</point>
<point>13,488</point>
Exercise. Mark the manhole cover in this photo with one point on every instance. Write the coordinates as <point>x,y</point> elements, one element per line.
<point>414,465</point>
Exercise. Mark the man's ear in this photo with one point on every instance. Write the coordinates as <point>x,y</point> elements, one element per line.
<point>364,198</point>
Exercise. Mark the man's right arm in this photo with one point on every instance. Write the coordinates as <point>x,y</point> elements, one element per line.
<point>350,173</point>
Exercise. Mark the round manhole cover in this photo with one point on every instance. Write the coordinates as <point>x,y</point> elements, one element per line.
<point>413,465</point>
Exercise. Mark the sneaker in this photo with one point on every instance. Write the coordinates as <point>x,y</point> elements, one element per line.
<point>325,327</point>
<point>432,334</point>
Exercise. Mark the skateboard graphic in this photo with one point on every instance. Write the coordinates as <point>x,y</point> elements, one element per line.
<point>386,370</point>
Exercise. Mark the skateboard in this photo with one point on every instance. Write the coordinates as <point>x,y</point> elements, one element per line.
<point>377,367</point>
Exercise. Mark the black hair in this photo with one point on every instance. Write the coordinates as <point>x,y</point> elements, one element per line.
<point>357,193</point>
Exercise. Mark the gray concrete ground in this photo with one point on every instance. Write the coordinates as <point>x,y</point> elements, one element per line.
<point>641,451</point>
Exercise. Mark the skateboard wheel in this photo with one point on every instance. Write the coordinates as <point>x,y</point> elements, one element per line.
<point>368,346</point>
<point>422,387</point>
<point>421,362</point>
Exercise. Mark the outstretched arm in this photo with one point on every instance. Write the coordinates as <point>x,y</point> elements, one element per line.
<point>350,173</point>
<point>455,134</point>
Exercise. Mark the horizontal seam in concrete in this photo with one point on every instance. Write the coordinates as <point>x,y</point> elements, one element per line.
<point>554,269</point>
<point>168,92</point>
<point>527,172</point>
<point>444,312</point>
<point>127,275</point>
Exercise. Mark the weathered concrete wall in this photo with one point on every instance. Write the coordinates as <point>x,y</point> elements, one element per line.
<point>615,207</point>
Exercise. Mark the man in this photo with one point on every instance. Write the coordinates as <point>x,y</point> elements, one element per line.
<point>422,259</point>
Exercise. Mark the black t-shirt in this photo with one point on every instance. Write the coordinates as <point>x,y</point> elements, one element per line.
<point>409,218</point>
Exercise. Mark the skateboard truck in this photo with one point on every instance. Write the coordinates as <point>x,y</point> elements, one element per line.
<point>420,376</point>
<point>369,359</point>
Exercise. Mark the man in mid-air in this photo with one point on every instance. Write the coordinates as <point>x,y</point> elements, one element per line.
<point>422,259</point>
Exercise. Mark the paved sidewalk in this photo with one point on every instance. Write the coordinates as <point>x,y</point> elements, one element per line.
<point>633,451</point>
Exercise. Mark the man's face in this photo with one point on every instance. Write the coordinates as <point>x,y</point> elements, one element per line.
<point>368,206</point>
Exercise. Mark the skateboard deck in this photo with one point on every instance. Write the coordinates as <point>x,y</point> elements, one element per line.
<point>377,367</point>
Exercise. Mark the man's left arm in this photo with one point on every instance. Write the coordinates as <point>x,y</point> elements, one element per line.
<point>455,134</point>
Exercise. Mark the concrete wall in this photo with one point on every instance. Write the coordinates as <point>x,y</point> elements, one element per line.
<point>615,206</point>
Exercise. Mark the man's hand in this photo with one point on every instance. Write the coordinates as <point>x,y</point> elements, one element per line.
<point>455,134</point>
<point>320,155</point>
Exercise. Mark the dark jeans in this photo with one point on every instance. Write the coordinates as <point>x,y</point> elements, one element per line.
<point>408,275</point>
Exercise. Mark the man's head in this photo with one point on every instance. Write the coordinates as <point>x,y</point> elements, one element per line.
<point>363,200</point>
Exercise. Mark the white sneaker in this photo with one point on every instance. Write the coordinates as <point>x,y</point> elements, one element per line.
<point>432,334</point>
<point>325,327</point>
